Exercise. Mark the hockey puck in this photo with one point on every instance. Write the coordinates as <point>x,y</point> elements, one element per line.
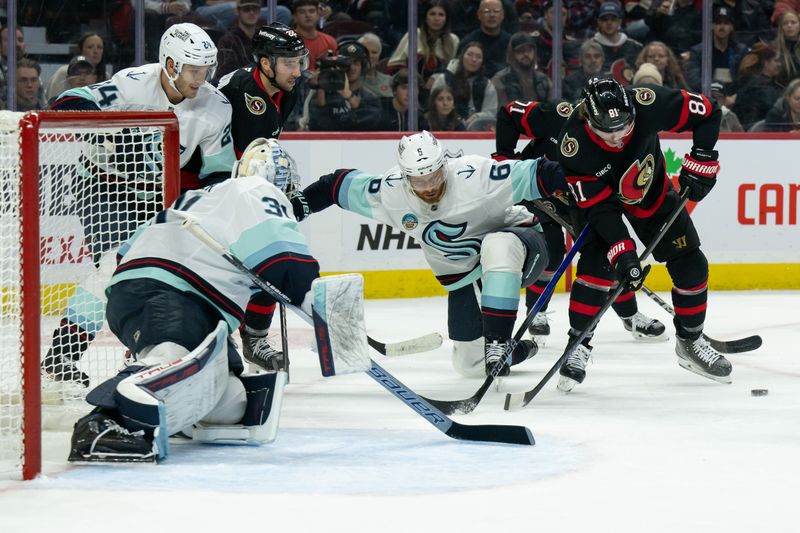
<point>758,392</point>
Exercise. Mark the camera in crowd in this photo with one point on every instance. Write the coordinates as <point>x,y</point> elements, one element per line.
<point>332,70</point>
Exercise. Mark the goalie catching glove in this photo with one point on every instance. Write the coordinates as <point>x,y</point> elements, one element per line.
<point>699,173</point>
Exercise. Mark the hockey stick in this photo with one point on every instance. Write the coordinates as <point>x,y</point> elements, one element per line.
<point>483,433</point>
<point>467,405</point>
<point>746,344</point>
<point>518,400</point>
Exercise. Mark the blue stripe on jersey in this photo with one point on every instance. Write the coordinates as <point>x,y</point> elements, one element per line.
<point>451,282</point>
<point>523,180</point>
<point>501,290</point>
<point>282,234</point>
<point>353,192</point>
<point>219,162</point>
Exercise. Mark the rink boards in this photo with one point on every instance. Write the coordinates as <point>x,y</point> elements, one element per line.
<point>748,224</point>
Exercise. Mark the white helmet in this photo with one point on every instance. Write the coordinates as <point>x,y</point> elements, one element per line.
<point>267,159</point>
<point>187,44</point>
<point>419,154</point>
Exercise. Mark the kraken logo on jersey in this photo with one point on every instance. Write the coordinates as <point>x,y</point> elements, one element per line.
<point>569,146</point>
<point>645,96</point>
<point>444,237</point>
<point>636,180</point>
<point>410,221</point>
<point>255,104</point>
<point>564,109</point>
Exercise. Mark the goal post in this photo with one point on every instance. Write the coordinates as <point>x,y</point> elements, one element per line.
<point>73,186</point>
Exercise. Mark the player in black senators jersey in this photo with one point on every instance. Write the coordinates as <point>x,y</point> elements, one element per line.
<point>613,163</point>
<point>262,94</point>
<point>542,122</point>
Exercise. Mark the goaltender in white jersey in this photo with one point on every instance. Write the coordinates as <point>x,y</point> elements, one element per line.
<point>462,212</point>
<point>174,300</point>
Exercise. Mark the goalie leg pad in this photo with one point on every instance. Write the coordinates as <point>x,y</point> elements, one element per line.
<point>337,304</point>
<point>262,415</point>
<point>166,398</point>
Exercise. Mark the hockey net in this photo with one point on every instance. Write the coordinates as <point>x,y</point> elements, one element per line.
<point>73,187</point>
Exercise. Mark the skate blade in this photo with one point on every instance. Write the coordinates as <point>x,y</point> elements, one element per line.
<point>103,459</point>
<point>646,338</point>
<point>566,384</point>
<point>688,365</point>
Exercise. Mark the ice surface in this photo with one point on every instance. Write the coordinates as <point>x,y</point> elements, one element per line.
<point>641,445</point>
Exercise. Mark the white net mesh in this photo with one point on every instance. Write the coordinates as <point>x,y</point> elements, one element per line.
<point>96,186</point>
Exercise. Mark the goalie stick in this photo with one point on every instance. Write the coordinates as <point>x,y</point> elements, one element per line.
<point>518,400</point>
<point>467,405</point>
<point>745,344</point>
<point>504,434</point>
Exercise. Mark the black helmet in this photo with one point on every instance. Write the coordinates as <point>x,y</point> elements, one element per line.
<point>277,40</point>
<point>608,106</point>
<point>356,50</point>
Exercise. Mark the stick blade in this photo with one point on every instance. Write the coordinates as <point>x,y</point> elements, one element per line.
<point>514,401</point>
<point>424,343</point>
<point>518,435</point>
<point>747,344</point>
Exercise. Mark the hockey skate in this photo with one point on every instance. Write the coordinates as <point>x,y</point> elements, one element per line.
<point>257,351</point>
<point>495,350</point>
<point>98,438</point>
<point>700,357</point>
<point>539,328</point>
<point>645,329</point>
<point>573,371</point>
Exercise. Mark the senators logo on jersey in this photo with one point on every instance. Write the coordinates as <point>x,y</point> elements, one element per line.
<point>255,104</point>
<point>645,96</point>
<point>636,181</point>
<point>569,146</point>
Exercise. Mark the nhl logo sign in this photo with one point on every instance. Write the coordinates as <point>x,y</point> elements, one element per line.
<point>255,104</point>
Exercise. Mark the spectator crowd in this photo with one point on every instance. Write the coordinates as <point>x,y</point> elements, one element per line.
<point>473,56</point>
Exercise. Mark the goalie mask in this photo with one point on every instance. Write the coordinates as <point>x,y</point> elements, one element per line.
<point>422,165</point>
<point>267,159</point>
<point>187,44</point>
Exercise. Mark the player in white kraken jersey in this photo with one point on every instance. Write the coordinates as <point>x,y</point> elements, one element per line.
<point>173,301</point>
<point>462,212</point>
<point>113,188</point>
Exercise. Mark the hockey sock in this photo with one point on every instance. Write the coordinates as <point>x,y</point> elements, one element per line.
<point>625,305</point>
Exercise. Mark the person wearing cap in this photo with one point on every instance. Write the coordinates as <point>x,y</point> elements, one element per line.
<point>592,58</point>
<point>80,72</point>
<point>236,46</point>
<point>616,44</point>
<point>222,13</point>
<point>520,80</point>
<point>647,74</point>
<point>726,54</point>
<point>354,107</point>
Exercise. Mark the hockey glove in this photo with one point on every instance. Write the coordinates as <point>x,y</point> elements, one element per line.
<point>504,156</point>
<point>623,258</point>
<point>299,204</point>
<point>699,173</point>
